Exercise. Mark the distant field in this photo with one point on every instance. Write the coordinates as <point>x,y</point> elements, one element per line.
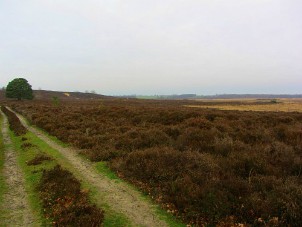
<point>283,105</point>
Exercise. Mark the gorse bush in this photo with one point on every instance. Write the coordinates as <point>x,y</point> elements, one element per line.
<point>205,166</point>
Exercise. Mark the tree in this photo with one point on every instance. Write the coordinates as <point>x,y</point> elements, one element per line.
<point>19,88</point>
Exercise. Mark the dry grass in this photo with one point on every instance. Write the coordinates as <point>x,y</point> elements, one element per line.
<point>282,105</point>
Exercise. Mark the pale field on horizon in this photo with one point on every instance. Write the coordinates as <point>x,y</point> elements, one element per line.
<point>282,105</point>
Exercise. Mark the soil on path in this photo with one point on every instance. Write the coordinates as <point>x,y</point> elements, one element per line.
<point>119,196</point>
<point>15,208</point>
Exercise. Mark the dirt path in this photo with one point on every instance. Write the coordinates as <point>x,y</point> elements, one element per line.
<point>16,208</point>
<point>119,196</point>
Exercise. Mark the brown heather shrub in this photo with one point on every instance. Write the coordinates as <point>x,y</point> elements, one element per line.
<point>14,122</point>
<point>173,132</point>
<point>197,139</point>
<point>167,172</point>
<point>102,153</point>
<point>276,198</point>
<point>202,188</point>
<point>199,122</point>
<point>38,160</point>
<point>25,146</point>
<point>139,139</point>
<point>194,182</point>
<point>64,201</point>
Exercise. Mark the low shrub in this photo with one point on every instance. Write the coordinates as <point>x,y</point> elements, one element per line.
<point>14,122</point>
<point>206,189</point>
<point>38,160</point>
<point>65,202</point>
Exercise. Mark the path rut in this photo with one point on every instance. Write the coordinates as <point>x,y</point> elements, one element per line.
<point>119,196</point>
<point>15,205</point>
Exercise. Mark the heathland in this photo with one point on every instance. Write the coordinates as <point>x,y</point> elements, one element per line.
<point>204,165</point>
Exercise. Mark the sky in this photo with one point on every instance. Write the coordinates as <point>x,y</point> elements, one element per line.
<point>118,47</point>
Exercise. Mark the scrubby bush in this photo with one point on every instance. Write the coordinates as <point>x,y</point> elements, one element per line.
<point>14,122</point>
<point>65,202</point>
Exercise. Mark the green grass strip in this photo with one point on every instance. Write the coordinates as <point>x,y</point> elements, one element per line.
<point>32,175</point>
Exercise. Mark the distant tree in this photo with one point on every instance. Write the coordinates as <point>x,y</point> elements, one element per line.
<point>19,88</point>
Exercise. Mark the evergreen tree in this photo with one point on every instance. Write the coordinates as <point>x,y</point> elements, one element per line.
<point>19,88</point>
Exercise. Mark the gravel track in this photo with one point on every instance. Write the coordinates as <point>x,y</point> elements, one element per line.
<point>15,207</point>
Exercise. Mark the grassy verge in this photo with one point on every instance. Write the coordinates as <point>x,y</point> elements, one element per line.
<point>33,175</point>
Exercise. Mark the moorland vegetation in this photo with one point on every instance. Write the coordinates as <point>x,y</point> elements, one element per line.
<point>205,166</point>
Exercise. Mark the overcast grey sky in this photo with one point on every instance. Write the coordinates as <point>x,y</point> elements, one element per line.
<point>118,47</point>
